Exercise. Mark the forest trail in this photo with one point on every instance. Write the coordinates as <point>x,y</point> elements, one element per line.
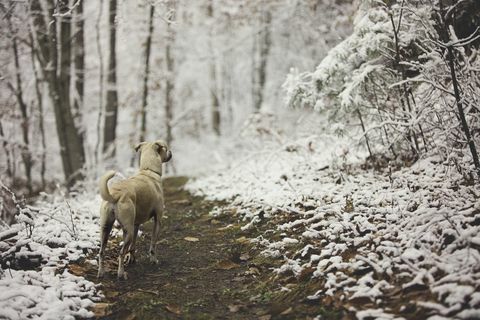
<point>217,277</point>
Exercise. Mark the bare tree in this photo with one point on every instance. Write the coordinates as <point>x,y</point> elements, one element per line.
<point>100,81</point>
<point>45,25</point>
<point>169,79</point>
<point>264,44</point>
<point>451,60</point>
<point>146,74</point>
<point>18,91</point>
<point>111,107</point>
<point>39,98</point>
<point>213,73</point>
<point>79,60</point>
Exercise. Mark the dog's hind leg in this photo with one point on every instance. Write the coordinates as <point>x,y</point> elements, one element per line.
<point>107,218</point>
<point>130,257</point>
<point>126,216</point>
<point>153,243</point>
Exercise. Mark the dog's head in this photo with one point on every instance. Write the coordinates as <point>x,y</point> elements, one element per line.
<point>153,154</point>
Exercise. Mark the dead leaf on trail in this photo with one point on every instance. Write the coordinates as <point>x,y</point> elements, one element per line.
<point>102,309</point>
<point>148,291</point>
<point>287,311</point>
<point>226,265</point>
<point>265,317</point>
<point>77,270</point>
<point>111,294</point>
<point>245,257</point>
<point>226,227</point>
<point>181,202</point>
<point>191,239</point>
<point>253,271</point>
<point>234,308</point>
<point>242,240</point>
<point>173,309</point>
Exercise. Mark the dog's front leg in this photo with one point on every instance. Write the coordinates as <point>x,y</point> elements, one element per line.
<point>153,243</point>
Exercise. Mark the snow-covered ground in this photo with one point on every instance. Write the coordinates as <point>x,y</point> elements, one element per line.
<point>366,235</point>
<point>35,283</point>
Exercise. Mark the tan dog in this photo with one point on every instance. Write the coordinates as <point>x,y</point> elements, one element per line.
<point>132,202</point>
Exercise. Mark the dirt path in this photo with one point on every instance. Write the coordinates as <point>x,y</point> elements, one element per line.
<point>217,277</point>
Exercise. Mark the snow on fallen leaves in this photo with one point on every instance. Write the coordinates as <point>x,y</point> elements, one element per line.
<point>373,237</point>
<point>61,231</point>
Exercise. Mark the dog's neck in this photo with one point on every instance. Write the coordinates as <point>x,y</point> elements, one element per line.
<point>156,172</point>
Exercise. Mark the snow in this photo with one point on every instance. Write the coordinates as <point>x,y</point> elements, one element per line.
<point>415,227</point>
<point>64,230</point>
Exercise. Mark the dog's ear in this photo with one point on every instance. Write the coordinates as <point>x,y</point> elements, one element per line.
<point>139,146</point>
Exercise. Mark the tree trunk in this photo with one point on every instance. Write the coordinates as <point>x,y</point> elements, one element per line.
<point>41,125</point>
<point>456,89</point>
<point>79,62</point>
<point>7,152</point>
<point>100,84</point>
<point>213,74</point>
<point>264,48</point>
<point>71,144</point>
<point>25,152</point>
<point>413,140</point>
<point>111,107</point>
<point>143,129</point>
<point>170,80</point>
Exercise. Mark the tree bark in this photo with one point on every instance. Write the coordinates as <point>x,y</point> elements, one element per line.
<point>79,62</point>
<point>457,92</point>
<point>264,48</point>
<point>7,152</point>
<point>170,79</point>
<point>111,107</point>
<point>25,152</point>
<point>213,74</point>
<point>39,96</point>
<point>148,45</point>
<point>71,144</point>
<point>100,82</point>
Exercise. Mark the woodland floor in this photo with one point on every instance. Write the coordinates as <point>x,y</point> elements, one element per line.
<point>219,276</point>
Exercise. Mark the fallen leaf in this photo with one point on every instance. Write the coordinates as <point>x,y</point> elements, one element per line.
<point>244,257</point>
<point>242,240</point>
<point>265,317</point>
<point>214,221</point>
<point>111,294</point>
<point>234,308</point>
<point>226,227</point>
<point>181,202</point>
<point>148,291</point>
<point>191,239</point>
<point>132,316</point>
<point>77,270</point>
<point>287,311</point>
<point>102,309</point>
<point>226,265</point>
<point>173,309</point>
<point>253,271</point>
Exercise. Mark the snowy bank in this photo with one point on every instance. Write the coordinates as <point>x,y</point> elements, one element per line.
<point>374,240</point>
<point>35,251</point>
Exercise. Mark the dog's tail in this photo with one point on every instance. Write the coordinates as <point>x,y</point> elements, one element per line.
<point>104,192</point>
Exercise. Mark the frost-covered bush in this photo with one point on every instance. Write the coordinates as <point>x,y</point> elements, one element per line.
<point>390,81</point>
